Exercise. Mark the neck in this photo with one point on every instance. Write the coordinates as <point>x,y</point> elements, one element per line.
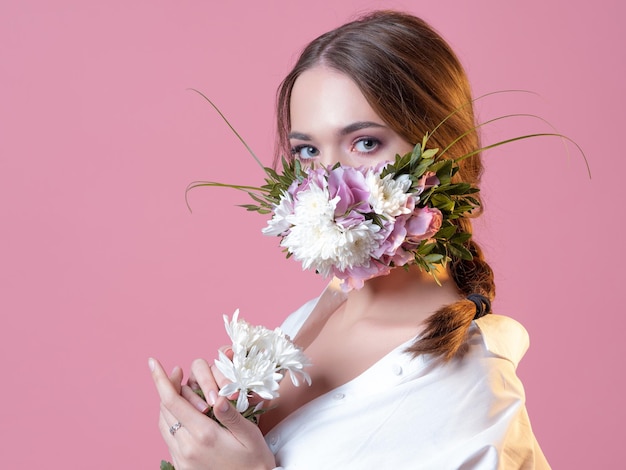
<point>403,296</point>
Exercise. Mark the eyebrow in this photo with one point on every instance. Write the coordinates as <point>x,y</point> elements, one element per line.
<point>350,128</point>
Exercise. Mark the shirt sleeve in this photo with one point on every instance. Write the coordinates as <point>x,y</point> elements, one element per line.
<point>294,321</point>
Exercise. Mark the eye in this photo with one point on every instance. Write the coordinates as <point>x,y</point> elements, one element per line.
<point>304,152</point>
<point>366,145</point>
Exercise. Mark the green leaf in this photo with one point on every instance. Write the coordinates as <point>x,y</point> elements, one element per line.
<point>446,232</point>
<point>444,170</point>
<point>458,188</point>
<point>430,153</point>
<point>417,152</point>
<point>425,248</point>
<point>444,164</point>
<point>249,207</point>
<point>258,199</point>
<point>165,465</point>
<point>422,167</point>
<point>442,202</point>
<point>460,238</point>
<point>461,209</point>
<point>460,252</point>
<point>433,258</point>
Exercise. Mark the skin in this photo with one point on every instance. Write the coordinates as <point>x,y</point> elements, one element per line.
<point>331,122</point>
<point>201,442</point>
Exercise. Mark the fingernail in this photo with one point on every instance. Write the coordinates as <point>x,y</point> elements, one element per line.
<point>151,364</point>
<point>212,398</point>
<point>174,370</point>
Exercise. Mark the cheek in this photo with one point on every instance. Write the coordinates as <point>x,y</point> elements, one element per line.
<point>401,146</point>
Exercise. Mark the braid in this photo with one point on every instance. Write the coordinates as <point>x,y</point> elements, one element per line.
<point>446,329</point>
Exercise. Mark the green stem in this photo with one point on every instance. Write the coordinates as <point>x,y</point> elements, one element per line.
<point>528,136</point>
<point>230,125</point>
<point>239,187</point>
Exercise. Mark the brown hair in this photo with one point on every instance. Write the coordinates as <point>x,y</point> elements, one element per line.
<point>413,80</point>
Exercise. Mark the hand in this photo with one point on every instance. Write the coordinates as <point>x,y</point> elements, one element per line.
<point>200,443</point>
<point>209,380</point>
<point>208,385</point>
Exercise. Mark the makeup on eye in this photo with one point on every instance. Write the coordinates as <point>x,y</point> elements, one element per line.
<point>304,151</point>
<point>366,145</point>
<point>362,146</point>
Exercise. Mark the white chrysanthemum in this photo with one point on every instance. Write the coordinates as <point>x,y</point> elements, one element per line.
<point>312,244</point>
<point>260,358</point>
<point>249,372</point>
<point>313,206</point>
<point>388,196</point>
<point>241,333</point>
<point>289,357</point>
<point>279,224</point>
<point>357,244</point>
<point>326,245</point>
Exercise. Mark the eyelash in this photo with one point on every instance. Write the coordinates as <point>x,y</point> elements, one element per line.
<point>377,143</point>
<point>296,151</point>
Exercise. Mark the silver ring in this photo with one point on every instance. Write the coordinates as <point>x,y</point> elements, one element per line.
<point>175,427</point>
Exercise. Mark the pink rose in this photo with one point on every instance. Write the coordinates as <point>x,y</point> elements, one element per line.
<point>423,224</point>
<point>427,181</point>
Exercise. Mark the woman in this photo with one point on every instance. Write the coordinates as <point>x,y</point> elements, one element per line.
<point>408,371</point>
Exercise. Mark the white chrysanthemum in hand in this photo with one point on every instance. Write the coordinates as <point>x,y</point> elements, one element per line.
<point>253,372</point>
<point>289,358</point>
<point>242,335</point>
<point>260,359</point>
<point>388,196</point>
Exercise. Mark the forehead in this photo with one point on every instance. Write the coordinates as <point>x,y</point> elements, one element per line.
<point>324,98</point>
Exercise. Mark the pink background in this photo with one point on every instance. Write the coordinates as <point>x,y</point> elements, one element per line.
<point>102,265</point>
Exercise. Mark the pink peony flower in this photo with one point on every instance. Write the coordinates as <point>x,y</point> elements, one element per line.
<point>394,232</point>
<point>349,184</point>
<point>355,277</point>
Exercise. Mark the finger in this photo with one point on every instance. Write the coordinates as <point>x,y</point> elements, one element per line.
<point>242,429</point>
<point>228,350</point>
<point>162,382</point>
<point>193,398</point>
<point>203,376</point>
<point>180,409</point>
<point>176,377</point>
<point>219,377</point>
<point>192,383</point>
<point>220,380</point>
<point>166,421</point>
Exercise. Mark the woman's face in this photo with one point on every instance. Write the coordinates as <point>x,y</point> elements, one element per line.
<point>331,121</point>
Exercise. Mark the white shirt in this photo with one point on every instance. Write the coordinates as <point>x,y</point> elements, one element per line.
<point>421,413</point>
